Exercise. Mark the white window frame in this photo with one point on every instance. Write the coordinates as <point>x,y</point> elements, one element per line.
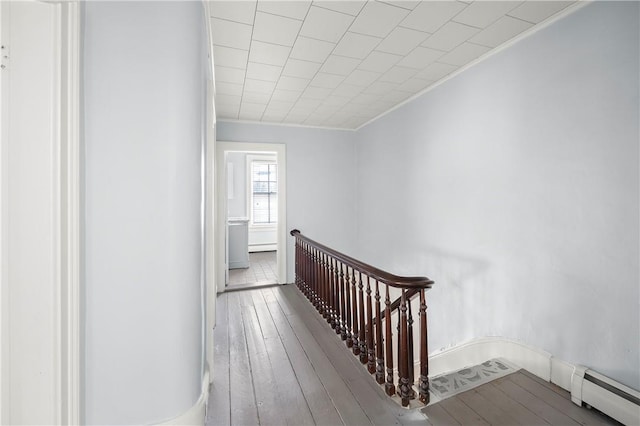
<point>251,158</point>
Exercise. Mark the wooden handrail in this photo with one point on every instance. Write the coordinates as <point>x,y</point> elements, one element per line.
<point>378,274</point>
<point>343,290</point>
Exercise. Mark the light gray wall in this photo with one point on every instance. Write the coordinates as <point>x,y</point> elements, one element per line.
<point>144,98</point>
<point>237,206</point>
<point>515,187</point>
<point>320,180</point>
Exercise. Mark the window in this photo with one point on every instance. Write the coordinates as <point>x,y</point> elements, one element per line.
<point>264,192</point>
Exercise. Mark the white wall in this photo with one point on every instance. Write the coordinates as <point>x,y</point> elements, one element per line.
<point>515,187</point>
<point>144,87</point>
<point>320,180</point>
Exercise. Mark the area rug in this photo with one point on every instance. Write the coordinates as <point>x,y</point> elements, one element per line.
<point>447,385</point>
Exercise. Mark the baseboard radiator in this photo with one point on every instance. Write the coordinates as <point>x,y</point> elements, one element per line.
<point>606,395</point>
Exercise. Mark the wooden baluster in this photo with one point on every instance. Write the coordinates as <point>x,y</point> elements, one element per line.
<point>327,289</point>
<point>389,386</point>
<point>322,285</point>
<point>348,307</point>
<point>332,294</point>
<point>335,323</point>
<point>307,281</point>
<point>312,284</point>
<point>423,387</point>
<point>371,354</point>
<point>410,372</point>
<point>403,356</point>
<point>303,256</point>
<point>363,327</point>
<point>354,313</point>
<point>343,311</point>
<point>314,271</point>
<point>379,341</point>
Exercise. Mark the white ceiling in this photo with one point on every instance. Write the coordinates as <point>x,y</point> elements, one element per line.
<point>342,63</point>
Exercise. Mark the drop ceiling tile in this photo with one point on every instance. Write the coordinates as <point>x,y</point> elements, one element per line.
<point>312,50</point>
<point>464,54</point>
<point>362,78</point>
<point>291,9</point>
<point>267,53</point>
<point>436,71</point>
<point>264,72</point>
<point>230,34</point>
<point>420,57</point>
<point>292,83</point>
<point>302,69</point>
<point>285,95</point>
<point>415,85</point>
<point>224,88</point>
<point>297,117</point>
<point>335,101</point>
<point>500,31</point>
<point>398,75</point>
<point>405,4</point>
<point>274,116</point>
<point>239,11</point>
<point>259,86</point>
<point>348,90</point>
<point>307,104</point>
<point>275,29</point>
<point>449,36</point>
<point>429,16</point>
<point>396,96</point>
<point>401,41</point>
<point>349,7</point>
<point>230,75</point>
<point>250,115</point>
<point>324,111</point>
<point>481,14</point>
<point>315,119</point>
<point>378,19</point>
<point>538,11</point>
<point>256,97</point>
<point>327,25</point>
<point>365,99</point>
<point>229,57</point>
<point>227,111</point>
<point>316,93</point>
<point>356,45</point>
<point>379,62</point>
<point>330,81</point>
<point>228,100</point>
<point>340,65</point>
<point>381,88</point>
<point>275,105</point>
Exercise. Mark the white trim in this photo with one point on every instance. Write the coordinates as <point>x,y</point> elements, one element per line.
<point>221,204</point>
<point>544,365</point>
<point>305,126</point>
<point>70,247</point>
<point>198,411</point>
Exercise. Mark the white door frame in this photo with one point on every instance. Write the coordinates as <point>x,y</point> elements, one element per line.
<point>221,204</point>
<point>65,394</point>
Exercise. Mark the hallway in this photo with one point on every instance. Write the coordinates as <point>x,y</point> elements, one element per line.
<point>277,362</point>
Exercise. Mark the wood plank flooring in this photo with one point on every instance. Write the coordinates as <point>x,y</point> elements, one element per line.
<point>278,362</point>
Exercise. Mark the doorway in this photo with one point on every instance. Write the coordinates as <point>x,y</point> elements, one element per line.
<point>251,215</point>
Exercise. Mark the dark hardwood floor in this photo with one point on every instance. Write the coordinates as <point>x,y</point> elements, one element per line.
<point>278,362</point>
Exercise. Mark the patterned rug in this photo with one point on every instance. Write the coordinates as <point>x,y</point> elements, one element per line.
<point>447,385</point>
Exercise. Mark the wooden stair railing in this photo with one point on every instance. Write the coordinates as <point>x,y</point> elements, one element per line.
<point>341,288</point>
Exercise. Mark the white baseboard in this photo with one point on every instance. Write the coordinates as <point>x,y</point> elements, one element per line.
<point>542,364</point>
<point>196,414</point>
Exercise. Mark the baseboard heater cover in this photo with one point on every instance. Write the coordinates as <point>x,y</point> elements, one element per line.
<point>608,396</point>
